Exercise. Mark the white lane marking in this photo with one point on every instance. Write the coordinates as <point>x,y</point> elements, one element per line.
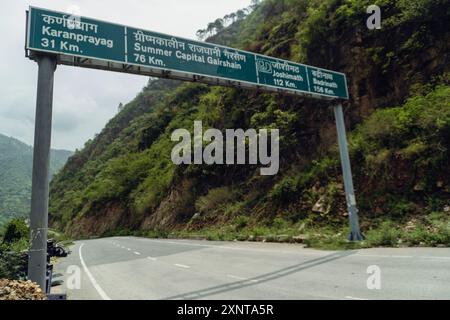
<point>128,249</point>
<point>400,257</point>
<point>383,256</point>
<point>91,277</point>
<point>355,298</point>
<point>431,257</point>
<point>235,277</point>
<point>232,248</point>
<point>182,266</point>
<point>241,278</point>
<point>137,253</point>
<point>303,252</point>
<point>150,258</point>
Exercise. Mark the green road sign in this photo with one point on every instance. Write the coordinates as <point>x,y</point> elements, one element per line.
<point>65,34</point>
<point>146,52</point>
<point>172,53</point>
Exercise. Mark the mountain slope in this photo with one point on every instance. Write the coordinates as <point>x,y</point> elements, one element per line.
<point>15,176</point>
<point>125,180</point>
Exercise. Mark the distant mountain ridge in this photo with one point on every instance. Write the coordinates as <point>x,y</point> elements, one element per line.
<point>16,159</point>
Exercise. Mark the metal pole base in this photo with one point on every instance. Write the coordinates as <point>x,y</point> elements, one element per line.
<point>355,233</point>
<point>356,236</point>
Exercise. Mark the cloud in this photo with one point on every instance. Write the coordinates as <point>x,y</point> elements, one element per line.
<point>85,100</point>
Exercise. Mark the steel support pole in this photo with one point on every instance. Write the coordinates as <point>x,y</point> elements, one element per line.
<point>37,259</point>
<point>355,233</point>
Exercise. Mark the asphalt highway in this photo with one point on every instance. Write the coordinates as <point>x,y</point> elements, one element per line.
<point>138,268</point>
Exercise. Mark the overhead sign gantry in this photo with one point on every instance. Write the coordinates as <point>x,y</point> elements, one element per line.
<point>97,44</point>
<point>54,38</point>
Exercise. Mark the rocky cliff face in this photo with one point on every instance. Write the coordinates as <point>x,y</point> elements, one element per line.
<point>124,179</point>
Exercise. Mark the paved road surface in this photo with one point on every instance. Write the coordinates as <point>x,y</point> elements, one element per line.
<point>138,268</point>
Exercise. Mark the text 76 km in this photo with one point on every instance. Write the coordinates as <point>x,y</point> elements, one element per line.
<point>141,58</point>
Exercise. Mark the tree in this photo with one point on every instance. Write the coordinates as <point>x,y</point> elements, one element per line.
<point>233,17</point>
<point>201,34</point>
<point>218,25</point>
<point>16,230</point>
<point>210,28</point>
<point>254,4</point>
<point>226,19</point>
<point>240,15</point>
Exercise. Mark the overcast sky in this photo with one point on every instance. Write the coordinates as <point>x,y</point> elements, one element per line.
<point>84,100</point>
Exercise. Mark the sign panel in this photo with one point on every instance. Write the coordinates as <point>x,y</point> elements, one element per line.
<point>282,74</point>
<point>166,52</point>
<point>66,34</point>
<point>73,36</point>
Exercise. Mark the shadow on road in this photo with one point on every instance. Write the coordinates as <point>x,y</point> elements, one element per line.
<point>198,294</point>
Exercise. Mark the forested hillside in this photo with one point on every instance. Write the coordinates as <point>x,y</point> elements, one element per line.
<point>398,120</point>
<point>16,160</point>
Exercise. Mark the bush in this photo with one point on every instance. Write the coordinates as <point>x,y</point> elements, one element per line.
<point>387,235</point>
<point>13,264</point>
<point>215,199</point>
<point>424,120</point>
<point>443,234</point>
<point>285,191</point>
<point>401,208</point>
<point>241,222</point>
<point>280,223</point>
<point>157,234</point>
<point>15,231</point>
<point>259,231</point>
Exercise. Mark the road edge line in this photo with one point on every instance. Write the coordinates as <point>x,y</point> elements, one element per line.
<point>91,277</point>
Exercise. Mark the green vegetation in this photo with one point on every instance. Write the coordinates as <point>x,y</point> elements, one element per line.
<point>220,24</point>
<point>406,149</point>
<point>433,231</point>
<point>214,200</point>
<point>16,231</point>
<point>15,176</point>
<point>123,181</point>
<point>13,246</point>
